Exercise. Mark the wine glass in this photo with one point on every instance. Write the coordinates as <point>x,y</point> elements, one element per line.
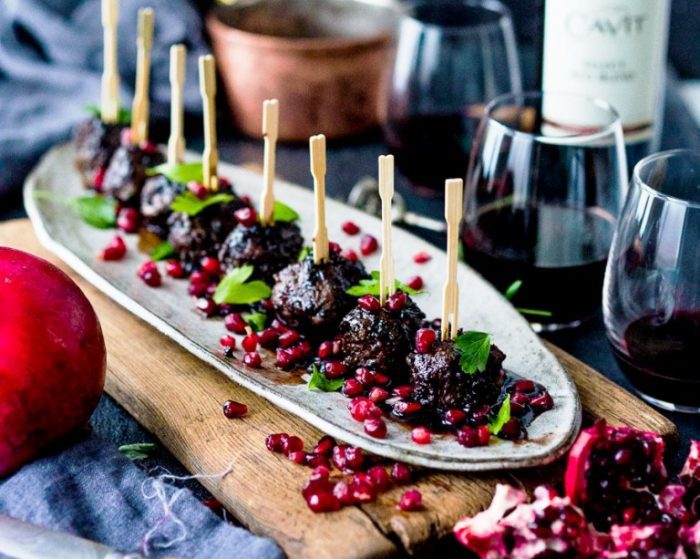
<point>545,184</point>
<point>651,300</point>
<point>452,58</point>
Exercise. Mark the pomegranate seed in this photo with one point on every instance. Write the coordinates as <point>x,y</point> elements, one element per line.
<point>352,388</point>
<point>378,395</point>
<point>517,409</point>
<point>174,269</point>
<point>542,402</point>
<point>297,456</point>
<point>213,504</point>
<point>524,385</point>
<point>334,369</point>
<point>275,442</point>
<point>355,459</point>
<point>468,437</point>
<point>401,473</point>
<point>288,338</point>
<point>199,277</point>
<point>267,304</point>
<point>147,146</point>
<point>250,342</point>
<point>406,408</point>
<point>420,435</point>
<point>206,306</point>
<point>211,289</point>
<point>416,282</point>
<point>397,301</point>
<point>323,502</point>
<point>227,341</point>
<point>284,358</point>
<point>411,500</point>
<point>268,338</point>
<point>325,445</point>
<point>362,408</point>
<point>320,473</point>
<point>369,303</point>
<point>480,414</point>
<point>350,228</point>
<point>149,273</point>
<point>380,477</point>
<point>198,189</point>
<point>315,460</point>
<point>375,428</point>
<point>247,216</point>
<point>128,220</point>
<point>315,485</point>
<point>234,323</point>
<point>343,494</point>
<point>99,178</point>
<point>380,378</point>
<point>325,350</point>
<point>424,340</point>
<point>224,183</point>
<point>292,444</point>
<point>518,401</point>
<point>454,417</point>
<point>403,391</point>
<point>368,245</point>
<point>115,250</point>
<point>483,434</point>
<point>147,266</point>
<point>233,409</point>
<point>210,265</point>
<point>301,350</point>
<point>362,489</point>
<point>334,247</point>
<point>512,429</point>
<point>197,289</point>
<point>279,326</point>
<point>364,376</point>
<point>350,254</point>
<point>252,359</point>
<point>339,456</point>
<point>422,257</point>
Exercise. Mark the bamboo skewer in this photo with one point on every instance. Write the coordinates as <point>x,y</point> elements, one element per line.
<point>317,145</point>
<point>386,193</point>
<point>109,103</point>
<point>207,87</point>
<point>176,141</point>
<point>270,127</point>
<point>450,293</point>
<point>139,108</point>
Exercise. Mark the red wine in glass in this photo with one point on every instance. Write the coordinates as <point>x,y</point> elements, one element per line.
<point>661,356</point>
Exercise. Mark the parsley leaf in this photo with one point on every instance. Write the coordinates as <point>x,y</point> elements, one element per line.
<point>162,251</point>
<point>319,382</point>
<point>137,451</point>
<point>97,211</point>
<point>513,288</point>
<point>371,287</point>
<point>474,348</point>
<point>502,417</point>
<point>256,320</point>
<point>282,212</point>
<point>124,118</point>
<point>233,288</point>
<point>182,173</point>
<point>191,205</point>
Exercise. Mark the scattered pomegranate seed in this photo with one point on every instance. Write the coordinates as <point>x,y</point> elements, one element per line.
<point>288,338</point>
<point>334,369</point>
<point>317,460</point>
<point>234,323</point>
<point>364,376</point>
<point>149,273</point>
<point>199,276</point>
<point>292,443</point>
<point>174,269</point>
<point>252,359</point>
<point>519,401</point>
<point>350,228</point>
<point>362,408</point>
<point>325,350</point>
<point>368,245</point>
<point>115,250</point>
<point>213,504</point>
<point>284,359</point>
<point>378,395</point>
<point>380,477</point>
<point>352,388</point>
<point>267,304</point>
<point>454,417</point>
<point>415,282</point>
<point>542,402</point>
<point>341,490</point>
<point>268,338</point>
<point>401,473</point>
<point>210,265</point>
<point>369,303</point>
<point>411,500</point>
<point>224,183</point>
<point>484,434</point>
<point>422,257</point>
<point>375,428</point>
<point>524,385</point>
<point>406,408</point>
<point>350,254</point>
<point>279,326</point>
<point>297,456</point>
<point>197,289</point>
<point>471,437</point>
<point>233,409</point>
<point>362,489</point>
<point>424,340</point>
<point>334,247</point>
<point>206,306</point>
<point>250,342</point>
<point>320,473</point>
<point>228,342</point>
<point>198,189</point>
<point>323,502</point>
<point>247,216</point>
<point>325,445</point>
<point>420,435</point>
<point>355,459</point>
<point>275,442</point>
<point>381,379</point>
<point>403,391</point>
<point>397,301</point>
<point>128,220</point>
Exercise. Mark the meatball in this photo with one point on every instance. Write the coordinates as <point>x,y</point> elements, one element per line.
<point>379,340</point>
<point>313,296</point>
<point>269,248</point>
<point>440,384</point>
<point>95,143</point>
<point>126,173</point>
<point>157,195</point>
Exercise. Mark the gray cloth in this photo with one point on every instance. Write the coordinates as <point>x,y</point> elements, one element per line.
<point>51,63</point>
<point>91,490</point>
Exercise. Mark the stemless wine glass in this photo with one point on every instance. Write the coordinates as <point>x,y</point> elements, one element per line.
<point>452,58</point>
<point>545,185</point>
<point>652,283</point>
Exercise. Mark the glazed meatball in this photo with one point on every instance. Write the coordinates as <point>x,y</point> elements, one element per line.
<point>126,173</point>
<point>269,248</point>
<point>157,195</point>
<point>313,297</point>
<point>95,143</point>
<point>440,384</point>
<point>380,339</point>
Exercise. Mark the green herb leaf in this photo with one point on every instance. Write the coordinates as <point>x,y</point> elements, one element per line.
<point>319,382</point>
<point>513,288</point>
<point>96,211</point>
<point>304,252</point>
<point>124,118</point>
<point>137,451</point>
<point>502,417</point>
<point>534,312</point>
<point>474,348</point>
<point>256,320</point>
<point>191,205</point>
<point>182,173</point>
<point>371,287</point>
<point>283,213</point>
<point>233,288</point>
<point>162,251</point>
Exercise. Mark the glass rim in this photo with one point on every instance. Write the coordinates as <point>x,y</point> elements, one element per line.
<point>611,128</point>
<point>667,154</point>
<point>493,6</point>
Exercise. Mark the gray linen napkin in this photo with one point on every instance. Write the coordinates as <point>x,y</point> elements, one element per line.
<point>51,63</point>
<point>91,490</point>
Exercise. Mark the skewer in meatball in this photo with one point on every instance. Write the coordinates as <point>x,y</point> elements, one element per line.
<point>95,142</point>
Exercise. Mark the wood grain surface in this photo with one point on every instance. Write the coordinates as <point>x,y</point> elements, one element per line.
<point>178,398</point>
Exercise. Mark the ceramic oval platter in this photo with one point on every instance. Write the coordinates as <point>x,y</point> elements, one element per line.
<point>171,311</point>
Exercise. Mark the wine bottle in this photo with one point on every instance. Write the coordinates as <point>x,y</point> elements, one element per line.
<point>614,50</point>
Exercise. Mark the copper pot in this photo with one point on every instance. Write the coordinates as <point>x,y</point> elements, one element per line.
<point>326,61</point>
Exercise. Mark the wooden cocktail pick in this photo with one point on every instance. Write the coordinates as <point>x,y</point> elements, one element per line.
<point>386,193</point>
<point>210,156</point>
<point>109,104</point>
<point>139,108</point>
<point>450,293</point>
<point>317,145</point>
<point>270,127</point>
<point>176,142</point>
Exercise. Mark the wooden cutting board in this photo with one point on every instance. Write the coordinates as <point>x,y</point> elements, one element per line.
<point>178,398</point>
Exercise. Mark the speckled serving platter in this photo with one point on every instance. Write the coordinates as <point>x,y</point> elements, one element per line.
<point>170,310</point>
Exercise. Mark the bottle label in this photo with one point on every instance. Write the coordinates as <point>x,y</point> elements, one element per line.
<point>614,50</point>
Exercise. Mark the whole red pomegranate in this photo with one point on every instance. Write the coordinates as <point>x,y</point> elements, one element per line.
<point>52,357</point>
